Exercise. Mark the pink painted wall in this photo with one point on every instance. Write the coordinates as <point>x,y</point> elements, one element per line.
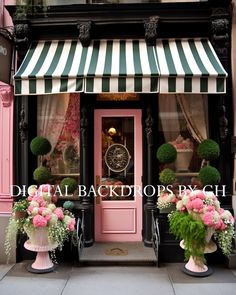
<point>6,129</point>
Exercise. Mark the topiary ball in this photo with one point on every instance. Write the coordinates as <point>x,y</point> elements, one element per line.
<point>42,174</point>
<point>209,175</point>
<point>68,205</point>
<point>167,176</point>
<point>40,146</point>
<point>208,150</point>
<point>69,183</point>
<point>166,153</point>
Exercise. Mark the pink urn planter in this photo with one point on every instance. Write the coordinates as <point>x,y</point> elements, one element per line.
<point>195,265</point>
<point>39,242</point>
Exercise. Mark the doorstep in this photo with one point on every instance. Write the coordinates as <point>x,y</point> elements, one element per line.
<point>117,253</point>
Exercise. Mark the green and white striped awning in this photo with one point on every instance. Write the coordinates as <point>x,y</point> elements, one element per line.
<point>104,66</point>
<point>189,66</point>
<point>114,66</point>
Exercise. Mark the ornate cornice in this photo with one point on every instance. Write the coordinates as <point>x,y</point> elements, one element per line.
<point>151,26</point>
<point>6,94</point>
<point>85,32</point>
<point>22,35</point>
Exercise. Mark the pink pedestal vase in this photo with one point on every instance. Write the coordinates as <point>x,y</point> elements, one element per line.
<point>38,242</point>
<point>195,266</point>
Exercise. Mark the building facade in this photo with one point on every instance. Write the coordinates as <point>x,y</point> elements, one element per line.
<point>6,119</point>
<point>107,82</point>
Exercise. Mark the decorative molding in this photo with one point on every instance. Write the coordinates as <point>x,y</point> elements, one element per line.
<point>84,32</point>
<point>150,27</point>
<point>23,126</point>
<point>149,125</point>
<point>6,94</point>
<point>220,26</point>
<point>22,35</point>
<point>220,29</point>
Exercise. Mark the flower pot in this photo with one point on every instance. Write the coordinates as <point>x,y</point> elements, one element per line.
<point>40,243</point>
<point>39,237</point>
<point>183,159</point>
<point>20,214</point>
<point>195,266</point>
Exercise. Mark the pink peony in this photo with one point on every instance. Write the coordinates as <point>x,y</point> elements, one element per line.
<point>39,221</point>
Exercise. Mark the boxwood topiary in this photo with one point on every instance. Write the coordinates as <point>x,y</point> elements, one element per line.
<point>209,175</point>
<point>70,183</point>
<point>208,150</point>
<point>40,146</point>
<point>42,174</point>
<point>166,153</point>
<point>167,176</point>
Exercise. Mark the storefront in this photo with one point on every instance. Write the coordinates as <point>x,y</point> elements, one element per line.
<point>107,84</point>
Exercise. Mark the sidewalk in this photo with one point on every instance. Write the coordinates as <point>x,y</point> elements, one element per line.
<point>168,279</point>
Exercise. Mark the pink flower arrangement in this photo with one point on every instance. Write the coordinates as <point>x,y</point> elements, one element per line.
<point>182,144</point>
<point>204,206</point>
<point>43,213</point>
<point>166,199</point>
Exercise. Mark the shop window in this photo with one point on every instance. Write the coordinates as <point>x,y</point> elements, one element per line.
<point>183,122</point>
<point>58,119</point>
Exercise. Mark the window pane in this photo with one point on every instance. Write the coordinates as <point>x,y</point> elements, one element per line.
<point>183,123</point>
<point>59,122</point>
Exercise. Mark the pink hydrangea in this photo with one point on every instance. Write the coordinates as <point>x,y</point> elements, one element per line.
<point>208,218</point>
<point>41,209</point>
<point>47,217</point>
<point>71,225</point>
<point>59,213</point>
<point>39,221</point>
<point>195,205</point>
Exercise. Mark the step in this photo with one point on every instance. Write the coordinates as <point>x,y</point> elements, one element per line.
<point>117,253</point>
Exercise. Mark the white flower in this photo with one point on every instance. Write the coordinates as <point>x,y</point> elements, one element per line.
<point>34,204</point>
<point>52,207</point>
<point>32,189</point>
<point>35,211</point>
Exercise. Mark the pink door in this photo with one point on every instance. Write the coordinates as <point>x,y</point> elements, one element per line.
<point>117,175</point>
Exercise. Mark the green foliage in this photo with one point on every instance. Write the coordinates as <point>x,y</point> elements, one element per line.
<point>208,150</point>
<point>209,175</point>
<point>167,176</point>
<point>21,205</point>
<point>70,183</point>
<point>40,146</point>
<point>42,175</point>
<point>193,232</point>
<point>10,236</point>
<point>166,153</point>
<point>224,239</point>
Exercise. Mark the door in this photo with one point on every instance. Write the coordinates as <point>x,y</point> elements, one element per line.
<point>117,175</point>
